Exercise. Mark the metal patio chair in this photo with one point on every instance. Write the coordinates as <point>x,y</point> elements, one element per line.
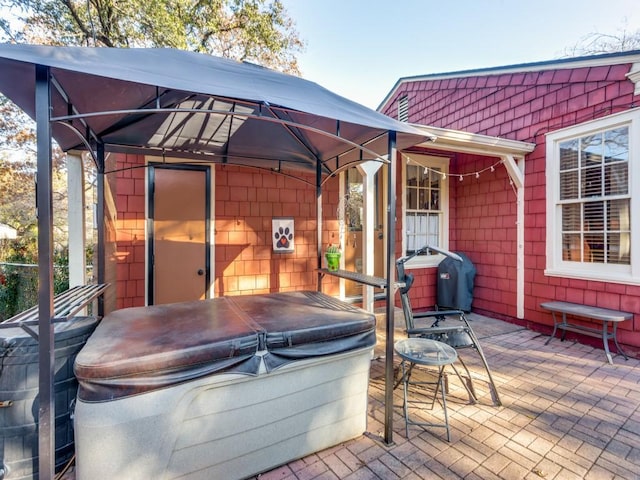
<point>449,326</point>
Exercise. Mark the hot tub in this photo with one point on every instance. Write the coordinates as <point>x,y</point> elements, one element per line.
<point>221,388</point>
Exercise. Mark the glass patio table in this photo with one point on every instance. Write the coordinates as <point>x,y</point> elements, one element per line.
<point>428,353</point>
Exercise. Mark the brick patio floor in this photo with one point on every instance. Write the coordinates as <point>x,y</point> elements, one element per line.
<point>566,414</point>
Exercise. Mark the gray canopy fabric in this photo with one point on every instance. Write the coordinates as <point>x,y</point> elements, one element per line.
<point>197,106</point>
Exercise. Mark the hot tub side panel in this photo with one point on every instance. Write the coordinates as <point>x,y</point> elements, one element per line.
<point>226,425</point>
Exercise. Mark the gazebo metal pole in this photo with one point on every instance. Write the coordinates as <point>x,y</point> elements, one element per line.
<point>46,345</point>
<point>390,290</point>
<point>319,219</point>
<point>101,260</point>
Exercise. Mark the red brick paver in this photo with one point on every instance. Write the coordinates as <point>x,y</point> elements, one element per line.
<point>566,414</point>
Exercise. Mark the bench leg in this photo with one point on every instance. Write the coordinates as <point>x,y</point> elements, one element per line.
<point>615,341</point>
<point>555,328</point>
<point>564,330</point>
<point>605,340</point>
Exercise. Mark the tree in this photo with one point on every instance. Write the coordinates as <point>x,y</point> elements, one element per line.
<point>598,43</point>
<point>18,277</point>
<point>259,31</point>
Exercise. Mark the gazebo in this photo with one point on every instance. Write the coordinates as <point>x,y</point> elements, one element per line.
<point>199,108</point>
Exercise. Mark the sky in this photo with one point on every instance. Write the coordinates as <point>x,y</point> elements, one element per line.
<point>360,48</point>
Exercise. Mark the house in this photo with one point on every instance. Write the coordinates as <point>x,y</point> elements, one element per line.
<point>568,232</point>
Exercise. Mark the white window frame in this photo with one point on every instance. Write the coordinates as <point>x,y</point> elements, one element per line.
<point>555,265</point>
<point>429,161</point>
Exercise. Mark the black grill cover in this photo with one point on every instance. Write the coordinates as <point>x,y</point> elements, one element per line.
<point>455,283</point>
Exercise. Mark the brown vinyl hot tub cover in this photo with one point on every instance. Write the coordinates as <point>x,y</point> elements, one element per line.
<point>136,350</point>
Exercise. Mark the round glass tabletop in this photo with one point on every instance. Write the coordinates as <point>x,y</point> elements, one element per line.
<point>425,352</point>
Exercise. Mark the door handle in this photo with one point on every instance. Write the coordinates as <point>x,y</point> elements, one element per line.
<point>201,272</point>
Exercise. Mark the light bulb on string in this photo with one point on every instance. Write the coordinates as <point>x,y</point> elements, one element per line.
<point>477,174</point>
<point>444,176</point>
<point>493,168</point>
<point>460,177</point>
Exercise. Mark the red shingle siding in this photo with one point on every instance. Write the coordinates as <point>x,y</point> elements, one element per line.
<point>245,202</point>
<point>518,106</point>
<point>485,216</point>
<point>534,99</point>
<point>245,262</point>
<point>130,231</point>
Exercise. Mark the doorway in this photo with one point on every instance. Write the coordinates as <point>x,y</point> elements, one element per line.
<point>179,234</point>
<point>354,228</point>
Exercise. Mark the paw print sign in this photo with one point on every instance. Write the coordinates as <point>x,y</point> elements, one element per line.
<point>282,235</point>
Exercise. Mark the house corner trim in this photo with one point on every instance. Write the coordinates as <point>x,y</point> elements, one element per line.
<point>634,76</point>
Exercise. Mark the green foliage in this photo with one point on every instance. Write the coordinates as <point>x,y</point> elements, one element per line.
<point>19,278</point>
<point>259,31</point>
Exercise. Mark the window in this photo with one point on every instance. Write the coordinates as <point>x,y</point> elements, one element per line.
<point>589,201</point>
<point>425,204</point>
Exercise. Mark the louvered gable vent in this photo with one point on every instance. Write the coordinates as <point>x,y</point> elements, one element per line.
<point>403,109</point>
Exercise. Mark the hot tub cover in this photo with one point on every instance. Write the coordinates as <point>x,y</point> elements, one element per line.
<point>299,325</point>
<point>135,350</point>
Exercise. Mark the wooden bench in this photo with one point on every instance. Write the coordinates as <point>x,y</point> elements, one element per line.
<point>65,306</point>
<point>603,315</point>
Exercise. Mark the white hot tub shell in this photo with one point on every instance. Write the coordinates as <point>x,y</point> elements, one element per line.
<point>143,414</point>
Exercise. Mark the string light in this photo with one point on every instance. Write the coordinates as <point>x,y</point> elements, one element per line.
<point>460,176</point>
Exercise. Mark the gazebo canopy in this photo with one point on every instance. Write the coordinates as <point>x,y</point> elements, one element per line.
<point>162,101</point>
<point>191,105</point>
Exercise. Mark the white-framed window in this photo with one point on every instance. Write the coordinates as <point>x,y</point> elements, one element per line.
<point>425,207</point>
<point>590,184</point>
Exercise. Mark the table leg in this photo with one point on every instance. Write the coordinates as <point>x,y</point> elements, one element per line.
<point>405,405</point>
<point>439,387</point>
<point>444,401</point>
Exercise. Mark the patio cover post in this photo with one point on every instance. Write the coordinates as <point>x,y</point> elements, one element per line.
<point>100,211</point>
<point>76,220</point>
<point>319,219</point>
<point>44,206</point>
<point>390,267</point>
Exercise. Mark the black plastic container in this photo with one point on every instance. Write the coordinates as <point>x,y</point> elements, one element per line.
<point>19,396</point>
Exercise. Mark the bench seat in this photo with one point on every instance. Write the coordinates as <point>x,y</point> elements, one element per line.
<point>604,315</point>
<point>65,306</point>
